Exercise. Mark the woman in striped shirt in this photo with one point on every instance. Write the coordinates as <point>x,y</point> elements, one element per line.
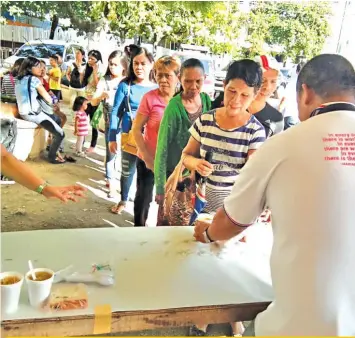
<point>231,134</point>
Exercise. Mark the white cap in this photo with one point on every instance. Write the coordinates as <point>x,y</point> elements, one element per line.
<point>267,62</point>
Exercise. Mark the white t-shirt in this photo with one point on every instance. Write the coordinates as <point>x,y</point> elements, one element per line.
<point>309,185</point>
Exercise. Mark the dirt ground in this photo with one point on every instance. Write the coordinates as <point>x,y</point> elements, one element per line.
<point>23,210</point>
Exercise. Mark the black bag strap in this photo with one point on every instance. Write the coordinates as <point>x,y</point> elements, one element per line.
<point>29,89</point>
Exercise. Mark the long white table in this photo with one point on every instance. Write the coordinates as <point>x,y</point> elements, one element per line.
<point>163,278</point>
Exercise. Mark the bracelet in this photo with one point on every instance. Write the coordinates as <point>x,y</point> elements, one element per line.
<point>207,238</point>
<point>41,187</point>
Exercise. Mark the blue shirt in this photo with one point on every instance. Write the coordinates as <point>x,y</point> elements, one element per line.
<point>136,93</point>
<point>22,97</point>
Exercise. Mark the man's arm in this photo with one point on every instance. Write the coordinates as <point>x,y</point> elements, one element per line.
<point>248,196</point>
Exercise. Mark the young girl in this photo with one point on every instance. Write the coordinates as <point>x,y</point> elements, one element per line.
<point>81,123</point>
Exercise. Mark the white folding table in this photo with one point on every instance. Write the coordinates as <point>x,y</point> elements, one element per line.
<point>163,278</point>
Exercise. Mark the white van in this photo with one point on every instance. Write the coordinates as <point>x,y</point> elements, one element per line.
<point>43,49</point>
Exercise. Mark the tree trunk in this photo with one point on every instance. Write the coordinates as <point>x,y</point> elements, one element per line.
<point>55,22</point>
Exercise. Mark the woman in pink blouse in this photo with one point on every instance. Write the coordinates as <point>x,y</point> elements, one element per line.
<point>149,115</point>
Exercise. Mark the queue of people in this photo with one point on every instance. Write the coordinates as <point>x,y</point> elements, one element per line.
<point>157,115</point>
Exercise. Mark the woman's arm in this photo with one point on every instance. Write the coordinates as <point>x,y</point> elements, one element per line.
<point>41,91</point>
<point>100,93</point>
<point>114,120</point>
<point>96,75</point>
<point>23,174</point>
<point>139,122</point>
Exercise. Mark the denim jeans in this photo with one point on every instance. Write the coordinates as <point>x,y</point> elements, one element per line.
<point>110,158</point>
<point>52,124</point>
<point>129,165</point>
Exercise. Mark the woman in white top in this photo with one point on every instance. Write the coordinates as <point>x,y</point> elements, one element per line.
<point>105,92</point>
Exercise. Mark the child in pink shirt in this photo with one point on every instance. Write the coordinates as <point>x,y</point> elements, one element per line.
<point>149,115</point>
<point>81,123</point>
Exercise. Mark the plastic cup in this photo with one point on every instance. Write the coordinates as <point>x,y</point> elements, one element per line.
<point>39,290</point>
<point>10,293</point>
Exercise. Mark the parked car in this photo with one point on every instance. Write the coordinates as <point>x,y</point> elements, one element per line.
<point>208,65</point>
<point>43,49</point>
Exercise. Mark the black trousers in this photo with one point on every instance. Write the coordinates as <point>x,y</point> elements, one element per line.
<point>144,193</point>
<point>95,134</point>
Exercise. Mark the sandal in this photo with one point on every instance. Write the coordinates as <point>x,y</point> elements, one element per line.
<point>57,162</point>
<point>69,159</point>
<point>117,209</point>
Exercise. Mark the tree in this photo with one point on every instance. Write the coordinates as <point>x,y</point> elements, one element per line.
<point>300,28</point>
<point>76,11</point>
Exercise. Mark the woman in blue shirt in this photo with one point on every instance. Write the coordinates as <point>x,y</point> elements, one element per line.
<point>131,90</point>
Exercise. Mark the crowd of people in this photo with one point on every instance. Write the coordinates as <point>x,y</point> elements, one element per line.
<point>163,118</point>
<point>154,112</point>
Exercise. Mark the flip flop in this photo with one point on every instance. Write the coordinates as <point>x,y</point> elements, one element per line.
<point>69,159</point>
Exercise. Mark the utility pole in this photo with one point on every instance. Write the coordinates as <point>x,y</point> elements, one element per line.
<point>341,27</point>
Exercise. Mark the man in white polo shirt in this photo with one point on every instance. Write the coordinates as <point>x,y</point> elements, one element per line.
<point>306,177</point>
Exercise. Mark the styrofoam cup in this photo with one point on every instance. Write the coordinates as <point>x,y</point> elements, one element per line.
<point>10,294</point>
<point>39,291</point>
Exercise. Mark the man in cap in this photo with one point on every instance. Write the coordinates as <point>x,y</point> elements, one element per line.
<point>313,255</point>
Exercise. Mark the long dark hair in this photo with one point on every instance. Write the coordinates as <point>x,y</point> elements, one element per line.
<point>114,54</point>
<point>78,102</point>
<point>26,67</point>
<point>132,51</point>
<point>16,67</point>
<point>88,70</point>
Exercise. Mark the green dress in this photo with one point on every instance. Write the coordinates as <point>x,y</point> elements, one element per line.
<point>172,138</point>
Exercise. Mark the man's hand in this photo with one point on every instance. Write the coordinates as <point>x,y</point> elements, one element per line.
<point>200,228</point>
<point>72,193</point>
<point>113,147</point>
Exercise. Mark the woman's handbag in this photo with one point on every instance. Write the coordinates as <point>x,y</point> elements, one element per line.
<point>98,117</point>
<point>128,143</point>
<point>180,199</point>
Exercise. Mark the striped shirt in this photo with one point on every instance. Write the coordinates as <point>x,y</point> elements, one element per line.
<point>82,124</point>
<point>230,150</point>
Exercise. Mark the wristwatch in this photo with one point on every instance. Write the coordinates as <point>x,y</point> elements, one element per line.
<point>41,187</point>
<point>206,237</point>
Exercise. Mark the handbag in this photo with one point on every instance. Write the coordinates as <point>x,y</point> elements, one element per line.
<point>98,115</point>
<point>179,200</point>
<point>98,120</point>
<point>128,143</point>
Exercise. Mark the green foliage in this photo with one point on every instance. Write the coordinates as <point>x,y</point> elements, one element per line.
<point>301,28</point>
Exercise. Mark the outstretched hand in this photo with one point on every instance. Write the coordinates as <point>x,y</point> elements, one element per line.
<point>65,194</point>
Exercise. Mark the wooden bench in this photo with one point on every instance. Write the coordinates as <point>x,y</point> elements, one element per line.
<point>31,138</point>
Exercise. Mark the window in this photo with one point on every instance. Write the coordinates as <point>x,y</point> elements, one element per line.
<point>43,51</point>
